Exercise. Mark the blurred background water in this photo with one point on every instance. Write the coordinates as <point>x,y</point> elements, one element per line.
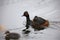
<point>11,12</point>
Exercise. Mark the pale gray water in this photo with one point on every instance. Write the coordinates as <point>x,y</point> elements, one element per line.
<point>11,12</point>
<point>51,33</point>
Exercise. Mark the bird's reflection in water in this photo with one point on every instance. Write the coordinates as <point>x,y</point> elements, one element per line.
<point>26,33</point>
<point>14,39</point>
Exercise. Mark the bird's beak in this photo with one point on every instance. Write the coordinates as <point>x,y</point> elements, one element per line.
<point>23,15</point>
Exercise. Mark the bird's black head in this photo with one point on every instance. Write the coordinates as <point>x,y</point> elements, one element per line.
<point>26,14</point>
<point>7,32</point>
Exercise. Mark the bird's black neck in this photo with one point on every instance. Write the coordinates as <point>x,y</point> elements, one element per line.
<point>28,18</point>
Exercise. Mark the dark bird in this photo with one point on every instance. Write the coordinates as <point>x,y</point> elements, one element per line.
<point>37,23</point>
<point>11,35</point>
